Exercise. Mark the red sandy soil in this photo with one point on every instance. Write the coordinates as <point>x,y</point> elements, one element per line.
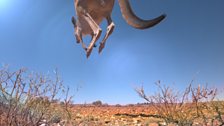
<point>131,115</point>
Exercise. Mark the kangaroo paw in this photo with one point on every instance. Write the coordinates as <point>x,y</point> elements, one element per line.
<point>88,52</point>
<point>102,45</point>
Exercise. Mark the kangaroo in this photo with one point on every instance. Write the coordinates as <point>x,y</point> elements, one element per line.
<point>90,14</point>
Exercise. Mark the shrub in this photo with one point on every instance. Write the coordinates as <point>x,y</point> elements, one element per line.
<point>28,98</point>
<point>194,105</point>
<point>97,103</point>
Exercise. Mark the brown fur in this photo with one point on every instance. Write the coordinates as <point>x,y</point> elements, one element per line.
<point>90,14</point>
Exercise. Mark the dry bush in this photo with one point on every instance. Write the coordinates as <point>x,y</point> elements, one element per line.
<point>97,103</point>
<point>28,98</point>
<point>192,106</point>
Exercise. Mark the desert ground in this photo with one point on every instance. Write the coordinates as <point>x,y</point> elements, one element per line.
<point>116,115</point>
<point>125,115</point>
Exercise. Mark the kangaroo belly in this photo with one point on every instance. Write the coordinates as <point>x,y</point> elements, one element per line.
<point>85,28</point>
<point>98,10</point>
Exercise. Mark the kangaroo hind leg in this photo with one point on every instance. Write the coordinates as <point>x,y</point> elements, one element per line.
<point>110,29</point>
<point>78,33</point>
<point>96,32</point>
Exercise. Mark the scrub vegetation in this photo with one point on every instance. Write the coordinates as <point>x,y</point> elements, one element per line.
<point>34,99</point>
<point>30,99</point>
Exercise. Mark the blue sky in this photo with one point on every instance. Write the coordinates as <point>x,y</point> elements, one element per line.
<point>188,44</point>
